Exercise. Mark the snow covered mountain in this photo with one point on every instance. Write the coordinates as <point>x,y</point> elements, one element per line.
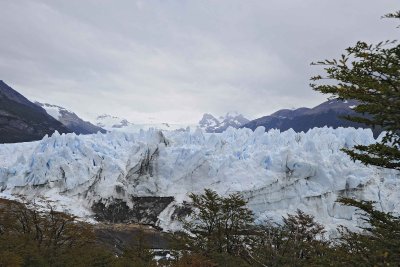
<point>146,176</point>
<point>70,119</point>
<point>112,123</point>
<point>302,119</point>
<point>23,121</point>
<point>210,124</point>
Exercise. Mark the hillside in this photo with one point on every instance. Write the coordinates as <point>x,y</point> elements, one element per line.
<point>70,119</point>
<point>23,121</point>
<point>328,114</point>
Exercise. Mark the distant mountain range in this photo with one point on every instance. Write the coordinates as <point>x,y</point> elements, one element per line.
<point>328,114</point>
<point>23,121</point>
<point>211,124</point>
<point>208,123</point>
<point>113,123</point>
<point>70,119</point>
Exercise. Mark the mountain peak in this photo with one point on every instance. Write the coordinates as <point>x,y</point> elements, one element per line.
<point>70,119</point>
<point>211,124</point>
<point>208,122</point>
<point>111,122</point>
<point>23,121</point>
<point>329,113</point>
<point>105,116</point>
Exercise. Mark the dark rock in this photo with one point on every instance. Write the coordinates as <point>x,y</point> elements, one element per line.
<point>144,210</point>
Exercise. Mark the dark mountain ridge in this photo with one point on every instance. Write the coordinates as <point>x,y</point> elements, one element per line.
<point>329,113</point>
<point>23,121</point>
<point>71,120</point>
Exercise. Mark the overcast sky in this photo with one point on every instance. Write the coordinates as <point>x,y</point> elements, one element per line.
<point>174,60</point>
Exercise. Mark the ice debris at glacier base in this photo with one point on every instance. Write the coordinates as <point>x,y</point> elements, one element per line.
<point>277,172</point>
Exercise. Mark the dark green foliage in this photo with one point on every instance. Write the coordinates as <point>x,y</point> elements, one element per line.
<point>32,238</point>
<point>222,230</point>
<point>29,237</point>
<point>219,227</point>
<point>306,235</point>
<point>377,243</point>
<point>395,15</point>
<point>298,241</point>
<point>370,74</point>
<point>219,224</point>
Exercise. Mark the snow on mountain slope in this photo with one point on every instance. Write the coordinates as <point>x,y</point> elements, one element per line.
<point>52,110</point>
<point>277,172</point>
<point>210,124</point>
<point>109,122</point>
<point>112,123</point>
<point>70,119</point>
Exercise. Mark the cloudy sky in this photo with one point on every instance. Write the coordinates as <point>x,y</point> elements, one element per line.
<point>173,60</point>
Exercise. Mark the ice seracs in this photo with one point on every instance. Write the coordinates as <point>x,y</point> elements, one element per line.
<point>277,172</point>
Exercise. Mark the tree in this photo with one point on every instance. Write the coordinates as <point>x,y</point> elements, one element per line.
<point>379,241</point>
<point>305,233</point>
<point>370,74</point>
<point>219,225</point>
<point>298,241</point>
<point>30,237</point>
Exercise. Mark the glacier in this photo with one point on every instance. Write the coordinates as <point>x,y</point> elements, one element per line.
<point>277,172</point>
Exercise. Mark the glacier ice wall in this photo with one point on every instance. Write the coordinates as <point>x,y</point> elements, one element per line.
<point>277,172</point>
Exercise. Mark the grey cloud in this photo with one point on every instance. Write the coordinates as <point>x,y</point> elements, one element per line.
<point>174,59</point>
